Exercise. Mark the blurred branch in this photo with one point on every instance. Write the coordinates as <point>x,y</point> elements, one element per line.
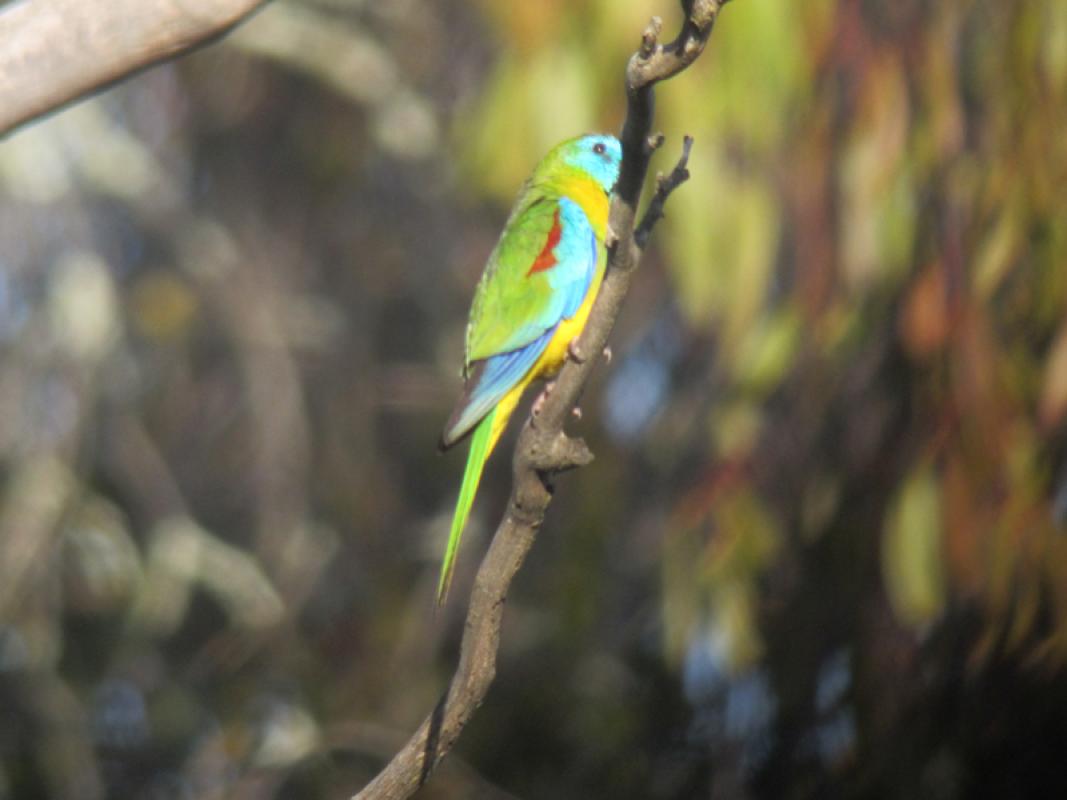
<point>30,512</point>
<point>58,51</point>
<point>543,448</point>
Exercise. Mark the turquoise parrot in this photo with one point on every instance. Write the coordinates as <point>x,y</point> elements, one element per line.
<point>532,301</point>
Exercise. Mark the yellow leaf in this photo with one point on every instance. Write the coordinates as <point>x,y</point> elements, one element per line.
<point>911,550</point>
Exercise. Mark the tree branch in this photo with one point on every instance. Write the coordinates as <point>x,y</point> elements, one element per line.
<point>665,184</point>
<point>57,51</point>
<point>543,448</point>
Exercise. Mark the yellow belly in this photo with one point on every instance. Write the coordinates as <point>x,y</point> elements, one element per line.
<point>551,361</point>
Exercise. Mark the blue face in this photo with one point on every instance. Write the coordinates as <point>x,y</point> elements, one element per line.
<point>598,155</point>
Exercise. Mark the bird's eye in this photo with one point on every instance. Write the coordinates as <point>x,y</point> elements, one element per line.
<point>599,148</point>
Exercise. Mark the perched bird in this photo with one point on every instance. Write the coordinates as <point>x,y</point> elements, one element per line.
<point>531,302</point>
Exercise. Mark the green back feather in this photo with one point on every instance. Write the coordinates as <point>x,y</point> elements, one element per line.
<point>481,444</point>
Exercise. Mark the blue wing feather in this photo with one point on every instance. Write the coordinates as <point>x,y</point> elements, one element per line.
<point>489,383</point>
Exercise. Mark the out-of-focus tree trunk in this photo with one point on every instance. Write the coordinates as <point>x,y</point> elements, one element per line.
<point>58,51</point>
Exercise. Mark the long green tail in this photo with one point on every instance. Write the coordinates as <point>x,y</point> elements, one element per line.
<point>481,443</point>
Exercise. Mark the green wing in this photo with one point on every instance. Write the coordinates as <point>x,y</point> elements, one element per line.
<point>512,305</point>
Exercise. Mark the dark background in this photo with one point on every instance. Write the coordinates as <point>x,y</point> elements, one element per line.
<point>821,552</point>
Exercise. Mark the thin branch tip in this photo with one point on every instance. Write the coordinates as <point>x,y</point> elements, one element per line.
<point>665,184</point>
<point>650,37</point>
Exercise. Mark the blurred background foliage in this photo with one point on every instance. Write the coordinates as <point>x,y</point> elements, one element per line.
<point>822,552</point>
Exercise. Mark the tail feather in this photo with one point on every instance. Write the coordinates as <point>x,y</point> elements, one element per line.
<point>479,452</point>
<point>483,441</point>
<point>488,382</point>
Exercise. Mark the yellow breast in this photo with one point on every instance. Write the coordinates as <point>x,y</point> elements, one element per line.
<point>588,194</point>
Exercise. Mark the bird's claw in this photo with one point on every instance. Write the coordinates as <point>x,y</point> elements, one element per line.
<point>607,353</point>
<point>574,352</point>
<point>539,403</point>
<point>577,412</point>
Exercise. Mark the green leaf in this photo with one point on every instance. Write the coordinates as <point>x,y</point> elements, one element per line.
<point>912,565</point>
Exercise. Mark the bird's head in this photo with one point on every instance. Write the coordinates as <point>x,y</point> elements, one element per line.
<point>596,156</point>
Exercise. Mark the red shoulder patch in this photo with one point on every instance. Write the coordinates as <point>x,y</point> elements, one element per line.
<point>546,259</point>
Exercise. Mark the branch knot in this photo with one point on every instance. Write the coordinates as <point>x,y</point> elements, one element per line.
<point>650,38</point>
<point>551,452</point>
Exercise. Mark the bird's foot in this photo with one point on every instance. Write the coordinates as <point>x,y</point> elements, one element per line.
<point>607,354</point>
<point>539,403</point>
<point>572,350</point>
<point>610,238</point>
<point>577,412</point>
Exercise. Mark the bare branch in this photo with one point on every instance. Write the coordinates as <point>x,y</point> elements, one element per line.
<point>57,51</point>
<point>665,184</point>
<point>543,448</point>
